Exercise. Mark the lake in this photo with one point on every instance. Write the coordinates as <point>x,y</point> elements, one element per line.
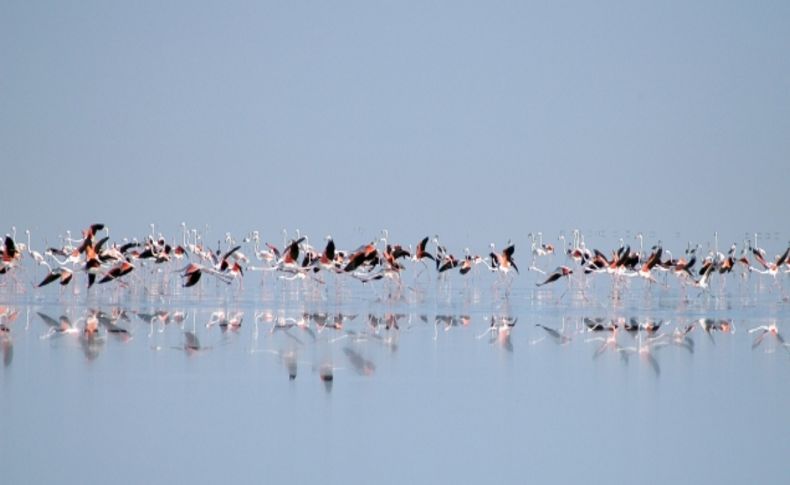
<point>471,380</point>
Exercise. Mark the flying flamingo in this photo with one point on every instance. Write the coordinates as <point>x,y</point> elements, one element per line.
<point>645,271</point>
<point>118,271</point>
<point>503,261</point>
<point>769,268</point>
<point>561,271</point>
<point>63,274</point>
<point>10,255</point>
<point>193,271</point>
<point>367,254</point>
<point>707,270</point>
<point>469,262</point>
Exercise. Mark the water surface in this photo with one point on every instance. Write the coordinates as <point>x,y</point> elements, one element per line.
<point>471,381</point>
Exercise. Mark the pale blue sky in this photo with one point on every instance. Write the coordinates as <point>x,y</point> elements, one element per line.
<point>477,120</point>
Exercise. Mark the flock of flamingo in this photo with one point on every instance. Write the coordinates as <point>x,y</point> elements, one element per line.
<point>102,261</point>
<point>94,260</point>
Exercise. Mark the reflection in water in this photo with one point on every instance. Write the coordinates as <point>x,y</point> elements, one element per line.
<point>7,344</point>
<point>556,336</point>
<point>191,342</point>
<point>158,319</point>
<point>599,324</point>
<point>323,320</point>
<point>644,348</point>
<point>711,326</point>
<point>91,344</point>
<point>327,375</point>
<point>608,342</point>
<point>682,339</point>
<point>499,330</point>
<point>646,336</point>
<point>58,327</point>
<point>289,359</point>
<point>226,320</point>
<point>291,333</point>
<point>110,322</point>
<point>8,316</point>
<point>448,322</point>
<point>771,333</point>
<point>360,364</point>
<point>386,321</point>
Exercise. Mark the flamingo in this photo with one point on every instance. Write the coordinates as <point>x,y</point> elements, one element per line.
<point>538,248</point>
<point>503,261</point>
<point>561,271</point>
<point>683,267</point>
<point>420,254</point>
<point>448,262</point>
<point>10,255</point>
<point>117,272</point>
<point>366,255</point>
<point>65,276</point>
<point>35,255</point>
<point>327,259</point>
<point>706,271</point>
<point>769,268</point>
<point>469,262</point>
<point>193,271</point>
<point>645,271</point>
<point>727,264</point>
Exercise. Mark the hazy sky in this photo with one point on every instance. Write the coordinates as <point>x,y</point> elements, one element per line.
<point>479,121</point>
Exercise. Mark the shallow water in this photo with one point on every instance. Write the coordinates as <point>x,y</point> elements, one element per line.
<point>471,381</point>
